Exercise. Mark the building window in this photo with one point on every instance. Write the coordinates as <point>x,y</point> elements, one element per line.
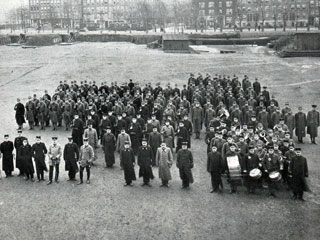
<point>202,5</point>
<point>229,4</point>
<point>211,4</point>
<point>211,12</point>
<point>229,11</point>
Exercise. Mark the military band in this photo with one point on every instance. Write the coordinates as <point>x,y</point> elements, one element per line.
<point>248,137</point>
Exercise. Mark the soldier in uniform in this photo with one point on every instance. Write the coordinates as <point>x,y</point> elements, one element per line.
<point>185,164</point>
<point>215,166</point>
<point>25,153</point>
<point>54,153</point>
<point>6,152</point>
<point>20,111</point>
<point>197,119</point>
<point>313,122</point>
<point>39,151</point>
<point>86,157</point>
<point>18,142</point>
<point>71,157</point>
<point>109,147</point>
<point>77,130</point>
<point>271,162</point>
<point>145,157</point>
<point>127,159</point>
<point>154,142</point>
<point>92,136</point>
<point>164,160</point>
<point>30,108</point>
<point>251,161</point>
<point>299,171</point>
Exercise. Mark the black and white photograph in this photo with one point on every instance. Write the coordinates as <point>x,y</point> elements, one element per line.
<point>159,119</point>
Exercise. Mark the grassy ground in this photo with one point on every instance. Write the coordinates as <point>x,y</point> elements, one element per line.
<point>105,209</point>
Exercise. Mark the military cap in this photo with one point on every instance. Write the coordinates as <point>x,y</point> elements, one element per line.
<point>314,106</point>
<point>85,139</point>
<point>54,138</point>
<point>297,149</point>
<point>6,135</point>
<point>19,131</point>
<point>39,137</point>
<point>126,142</point>
<point>144,140</point>
<point>184,143</point>
<point>70,137</point>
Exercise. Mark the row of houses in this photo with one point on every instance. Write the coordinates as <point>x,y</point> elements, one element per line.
<point>258,13</point>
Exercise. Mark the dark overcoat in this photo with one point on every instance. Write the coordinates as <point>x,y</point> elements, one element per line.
<point>38,153</point>
<point>71,156</point>
<point>313,122</point>
<point>185,164</point>
<point>6,149</point>
<point>300,124</point>
<point>127,163</point>
<point>25,153</point>
<point>299,170</point>
<point>109,147</point>
<point>145,156</point>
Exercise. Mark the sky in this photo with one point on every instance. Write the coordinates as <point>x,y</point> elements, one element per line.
<point>6,5</point>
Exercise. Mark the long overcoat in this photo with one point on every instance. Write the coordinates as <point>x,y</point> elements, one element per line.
<point>38,153</point>
<point>299,170</point>
<point>25,153</point>
<point>300,124</point>
<point>164,159</point>
<point>313,122</point>
<point>6,149</point>
<point>71,156</point>
<point>145,156</point>
<point>127,162</point>
<point>185,164</point>
<point>109,146</point>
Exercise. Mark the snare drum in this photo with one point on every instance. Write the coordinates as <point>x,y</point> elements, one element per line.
<point>255,173</point>
<point>275,176</point>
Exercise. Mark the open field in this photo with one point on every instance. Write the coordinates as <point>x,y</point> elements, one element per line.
<point>105,209</point>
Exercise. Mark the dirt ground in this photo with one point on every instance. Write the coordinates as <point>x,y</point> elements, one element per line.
<point>105,209</point>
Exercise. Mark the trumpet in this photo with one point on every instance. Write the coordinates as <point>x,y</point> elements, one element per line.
<point>262,135</point>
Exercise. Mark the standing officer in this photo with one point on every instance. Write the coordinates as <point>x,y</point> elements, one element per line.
<point>185,164</point>
<point>299,171</point>
<point>215,166</point>
<point>71,157</point>
<point>300,124</point>
<point>109,147</point>
<point>39,151</point>
<point>313,122</point>
<point>6,149</point>
<point>164,160</point>
<point>25,153</point>
<point>54,153</point>
<point>145,156</point>
<point>18,142</point>
<point>86,158</point>
<point>128,162</point>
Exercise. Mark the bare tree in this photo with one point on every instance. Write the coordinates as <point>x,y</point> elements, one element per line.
<point>144,12</point>
<point>240,14</point>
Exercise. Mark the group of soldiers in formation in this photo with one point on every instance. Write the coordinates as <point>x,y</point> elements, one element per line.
<point>154,124</point>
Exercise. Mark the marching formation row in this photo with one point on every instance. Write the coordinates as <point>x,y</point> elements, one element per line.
<point>247,135</point>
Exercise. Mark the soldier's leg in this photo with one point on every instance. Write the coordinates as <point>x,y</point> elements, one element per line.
<point>81,173</point>
<point>50,173</point>
<point>88,172</point>
<point>57,172</point>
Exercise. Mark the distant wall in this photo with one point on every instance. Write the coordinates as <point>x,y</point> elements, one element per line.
<point>137,39</point>
<point>307,41</point>
<point>175,45</point>
<point>43,40</point>
<point>4,39</point>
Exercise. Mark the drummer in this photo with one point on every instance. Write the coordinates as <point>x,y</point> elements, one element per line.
<point>234,179</point>
<point>251,161</point>
<point>271,163</point>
